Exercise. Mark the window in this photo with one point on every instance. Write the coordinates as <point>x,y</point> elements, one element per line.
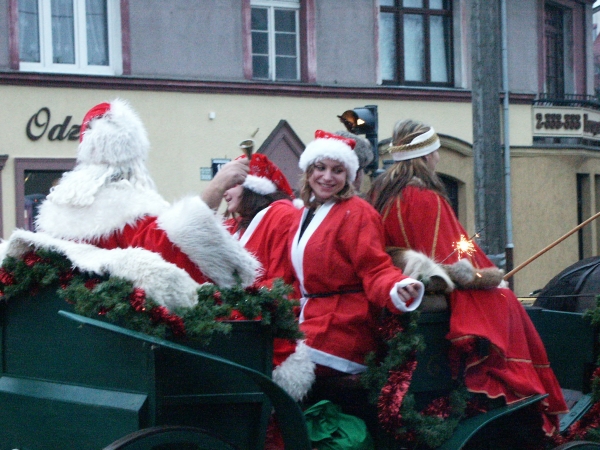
<point>275,40</point>
<point>555,51</point>
<point>415,42</point>
<point>33,179</point>
<point>70,36</point>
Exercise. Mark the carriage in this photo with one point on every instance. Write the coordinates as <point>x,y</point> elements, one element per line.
<point>73,382</point>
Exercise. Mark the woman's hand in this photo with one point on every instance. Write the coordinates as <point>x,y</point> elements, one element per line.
<point>408,293</point>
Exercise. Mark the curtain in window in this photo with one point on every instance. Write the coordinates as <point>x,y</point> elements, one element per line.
<point>414,61</point>
<point>63,32</point>
<point>97,32</point>
<point>438,49</point>
<point>29,37</point>
<point>285,45</point>
<point>387,46</point>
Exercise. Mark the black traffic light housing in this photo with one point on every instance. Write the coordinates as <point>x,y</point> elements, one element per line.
<point>364,120</point>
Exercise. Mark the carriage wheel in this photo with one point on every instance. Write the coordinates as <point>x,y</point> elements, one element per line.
<point>579,445</point>
<point>171,438</point>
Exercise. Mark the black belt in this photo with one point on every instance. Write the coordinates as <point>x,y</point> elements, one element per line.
<point>331,294</point>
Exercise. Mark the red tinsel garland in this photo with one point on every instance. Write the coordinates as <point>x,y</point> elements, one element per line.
<point>392,395</point>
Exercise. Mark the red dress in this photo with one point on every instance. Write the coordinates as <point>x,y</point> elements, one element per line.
<point>517,365</point>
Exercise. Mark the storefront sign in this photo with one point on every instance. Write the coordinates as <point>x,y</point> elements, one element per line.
<point>566,122</point>
<point>39,124</point>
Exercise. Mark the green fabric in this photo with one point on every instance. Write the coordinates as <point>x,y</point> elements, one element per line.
<point>330,429</point>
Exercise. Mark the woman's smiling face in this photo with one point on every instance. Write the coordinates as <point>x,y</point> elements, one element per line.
<point>233,197</point>
<point>327,179</point>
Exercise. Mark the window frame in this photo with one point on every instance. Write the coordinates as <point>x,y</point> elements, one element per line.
<point>271,6</point>
<point>399,12</point>
<point>114,31</point>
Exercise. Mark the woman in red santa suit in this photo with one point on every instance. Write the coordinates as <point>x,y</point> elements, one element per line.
<point>417,215</point>
<point>262,212</point>
<point>337,251</point>
<point>109,201</point>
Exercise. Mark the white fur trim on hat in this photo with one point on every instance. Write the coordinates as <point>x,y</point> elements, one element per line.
<point>117,138</point>
<point>335,149</point>
<point>260,185</point>
<point>422,145</point>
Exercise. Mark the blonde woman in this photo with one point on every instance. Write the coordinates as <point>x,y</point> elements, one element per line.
<point>417,215</point>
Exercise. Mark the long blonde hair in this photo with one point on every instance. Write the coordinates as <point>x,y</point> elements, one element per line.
<point>390,184</point>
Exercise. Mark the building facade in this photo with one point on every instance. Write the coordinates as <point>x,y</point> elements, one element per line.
<point>206,74</point>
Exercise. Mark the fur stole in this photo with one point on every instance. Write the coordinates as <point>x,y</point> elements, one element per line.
<point>116,205</point>
<point>443,278</point>
<point>164,282</point>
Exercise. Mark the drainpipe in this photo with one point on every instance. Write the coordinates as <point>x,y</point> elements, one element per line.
<point>505,88</point>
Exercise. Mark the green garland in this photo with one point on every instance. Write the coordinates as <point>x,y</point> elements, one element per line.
<point>118,301</point>
<point>436,423</point>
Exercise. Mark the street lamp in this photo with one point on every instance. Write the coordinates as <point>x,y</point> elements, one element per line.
<point>364,120</point>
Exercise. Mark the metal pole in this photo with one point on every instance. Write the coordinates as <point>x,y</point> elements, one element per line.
<point>505,88</point>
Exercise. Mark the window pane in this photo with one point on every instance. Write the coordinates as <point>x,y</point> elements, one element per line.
<point>414,62</point>
<point>387,46</point>
<point>37,186</point>
<point>285,45</point>
<point>412,3</point>
<point>285,20</point>
<point>97,32</point>
<point>260,43</point>
<point>259,19</point>
<point>63,40</point>
<point>387,3</point>
<point>438,50</point>
<point>29,37</point>
<point>285,68</point>
<point>436,4</point>
<point>260,67</point>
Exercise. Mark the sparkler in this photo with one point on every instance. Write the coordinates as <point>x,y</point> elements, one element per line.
<point>463,247</point>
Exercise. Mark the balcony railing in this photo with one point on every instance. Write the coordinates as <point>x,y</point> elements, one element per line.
<point>572,100</point>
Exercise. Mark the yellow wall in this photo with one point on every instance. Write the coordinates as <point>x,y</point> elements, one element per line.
<point>184,139</point>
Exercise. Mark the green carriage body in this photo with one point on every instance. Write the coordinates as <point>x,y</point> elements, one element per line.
<point>74,385</point>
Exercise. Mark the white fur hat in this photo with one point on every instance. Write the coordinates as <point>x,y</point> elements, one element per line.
<point>113,147</point>
<point>112,134</point>
<point>331,146</point>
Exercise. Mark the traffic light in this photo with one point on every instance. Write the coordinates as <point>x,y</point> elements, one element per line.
<point>364,120</point>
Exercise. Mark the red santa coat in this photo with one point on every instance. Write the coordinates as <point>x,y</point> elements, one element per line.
<point>517,367</point>
<point>266,238</point>
<point>345,278</point>
<point>185,234</point>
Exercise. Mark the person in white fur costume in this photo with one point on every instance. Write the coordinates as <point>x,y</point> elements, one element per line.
<point>106,217</point>
<point>109,201</point>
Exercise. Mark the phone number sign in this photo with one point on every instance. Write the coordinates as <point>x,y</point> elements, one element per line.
<point>566,122</point>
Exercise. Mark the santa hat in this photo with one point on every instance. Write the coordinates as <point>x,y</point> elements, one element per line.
<point>331,146</point>
<point>113,146</point>
<point>422,145</point>
<point>265,177</point>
